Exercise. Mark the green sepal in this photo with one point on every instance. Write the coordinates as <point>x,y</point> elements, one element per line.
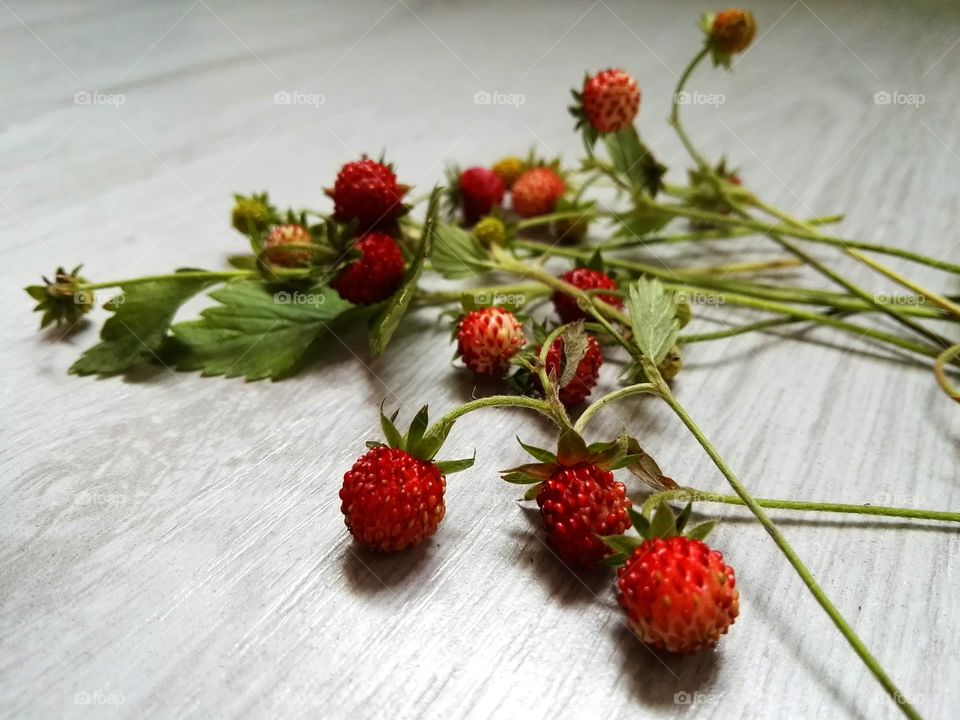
<point>448,467</point>
<point>529,473</point>
<point>663,524</point>
<point>374,445</point>
<point>683,517</point>
<point>571,449</point>
<point>532,491</point>
<point>544,456</point>
<point>243,262</point>
<point>701,530</point>
<point>615,560</point>
<point>390,432</point>
<point>625,544</point>
<point>639,522</point>
<point>413,438</point>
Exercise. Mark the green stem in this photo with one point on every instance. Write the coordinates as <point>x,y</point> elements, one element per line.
<point>924,294</point>
<point>519,401</point>
<point>774,532</point>
<point>739,330</point>
<point>447,296</point>
<point>539,220</point>
<point>594,408</point>
<point>939,369</point>
<point>186,275</point>
<point>691,495</point>
<point>675,107</point>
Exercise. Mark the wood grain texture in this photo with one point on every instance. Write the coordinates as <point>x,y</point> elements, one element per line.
<point>173,545</point>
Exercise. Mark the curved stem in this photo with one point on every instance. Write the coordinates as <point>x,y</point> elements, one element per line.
<point>774,532</point>
<point>540,406</point>
<point>691,495</point>
<point>539,220</point>
<point>675,107</point>
<point>594,407</point>
<point>939,369</point>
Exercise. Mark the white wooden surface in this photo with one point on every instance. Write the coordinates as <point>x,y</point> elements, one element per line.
<point>173,546</point>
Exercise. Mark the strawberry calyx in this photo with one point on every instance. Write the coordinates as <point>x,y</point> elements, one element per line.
<point>663,524</point>
<point>420,441</point>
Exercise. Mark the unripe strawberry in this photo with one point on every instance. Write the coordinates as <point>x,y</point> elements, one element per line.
<point>490,231</point>
<point>509,169</point>
<point>376,275</point>
<point>488,338</point>
<point>584,279</point>
<point>733,30</point>
<point>537,191</point>
<point>611,100</point>
<point>392,501</point>
<point>672,364</point>
<point>678,594</point>
<point>289,234</point>
<point>480,190</point>
<point>367,191</point>
<point>576,505</point>
<point>251,215</point>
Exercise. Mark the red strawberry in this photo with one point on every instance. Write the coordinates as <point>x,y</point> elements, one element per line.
<point>367,191</point>
<point>536,192</point>
<point>488,338</point>
<point>611,100</point>
<point>392,501</point>
<point>376,275</point>
<point>577,504</point>
<point>481,190</point>
<point>678,594</point>
<point>586,376</point>
<point>584,279</point>
<point>733,30</point>
<point>290,234</point>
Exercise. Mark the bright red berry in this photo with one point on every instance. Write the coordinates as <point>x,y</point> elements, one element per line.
<point>678,594</point>
<point>584,279</point>
<point>611,100</point>
<point>391,501</point>
<point>367,191</point>
<point>376,275</point>
<point>586,376</point>
<point>481,190</point>
<point>577,504</point>
<point>536,192</point>
<point>290,234</point>
<point>488,338</point>
<point>733,30</point>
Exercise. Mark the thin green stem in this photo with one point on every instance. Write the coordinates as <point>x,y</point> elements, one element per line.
<point>675,107</point>
<point>595,407</point>
<point>923,293</point>
<point>774,532</point>
<point>691,495</point>
<point>186,275</point>
<point>492,291</point>
<point>939,369</point>
<point>520,401</point>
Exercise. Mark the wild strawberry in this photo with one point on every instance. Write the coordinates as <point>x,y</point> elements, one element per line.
<point>488,338</point>
<point>577,504</point>
<point>376,275</point>
<point>289,234</point>
<point>490,231</point>
<point>367,191</point>
<point>584,279</point>
<point>611,100</point>
<point>537,191</point>
<point>508,169</point>
<point>480,191</point>
<point>586,375</point>
<point>733,30</point>
<point>392,497</point>
<point>678,594</point>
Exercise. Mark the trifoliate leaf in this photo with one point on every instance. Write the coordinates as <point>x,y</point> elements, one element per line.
<point>456,253</point>
<point>388,320</point>
<point>138,327</point>
<point>255,332</point>
<point>653,318</point>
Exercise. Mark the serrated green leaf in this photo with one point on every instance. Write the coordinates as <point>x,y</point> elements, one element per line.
<point>653,318</point>
<point>700,532</point>
<point>254,332</point>
<point>139,325</point>
<point>456,253</point>
<point>388,320</point>
<point>448,467</point>
<point>541,455</point>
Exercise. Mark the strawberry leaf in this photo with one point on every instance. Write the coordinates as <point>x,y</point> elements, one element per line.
<point>387,322</point>
<point>653,318</point>
<point>544,456</point>
<point>254,332</point>
<point>634,161</point>
<point>456,253</point>
<point>139,325</point>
